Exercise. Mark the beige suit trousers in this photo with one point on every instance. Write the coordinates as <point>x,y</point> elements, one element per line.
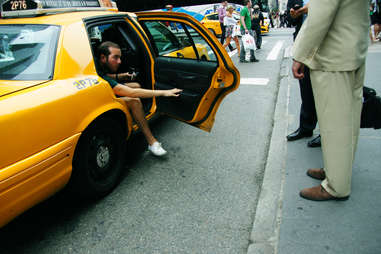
<point>338,99</point>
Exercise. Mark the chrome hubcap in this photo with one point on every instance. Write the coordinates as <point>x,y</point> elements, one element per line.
<point>103,156</point>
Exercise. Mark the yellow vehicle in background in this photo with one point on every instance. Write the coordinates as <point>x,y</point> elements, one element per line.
<point>211,22</point>
<point>265,27</point>
<point>60,122</point>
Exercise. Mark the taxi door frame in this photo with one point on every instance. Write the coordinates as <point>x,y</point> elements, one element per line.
<point>225,79</point>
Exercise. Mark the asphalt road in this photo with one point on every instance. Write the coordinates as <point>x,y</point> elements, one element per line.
<point>201,198</point>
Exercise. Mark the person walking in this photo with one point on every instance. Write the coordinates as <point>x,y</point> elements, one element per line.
<point>307,117</point>
<point>221,15</point>
<point>246,29</point>
<point>336,58</point>
<point>230,23</point>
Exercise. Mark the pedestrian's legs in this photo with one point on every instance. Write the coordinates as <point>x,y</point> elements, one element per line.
<point>243,52</point>
<point>136,108</point>
<point>338,98</point>
<point>258,40</point>
<point>227,42</point>
<point>252,55</point>
<point>308,117</point>
<point>237,44</point>
<point>222,33</point>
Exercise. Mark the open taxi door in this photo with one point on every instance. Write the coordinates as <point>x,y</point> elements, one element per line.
<point>189,57</point>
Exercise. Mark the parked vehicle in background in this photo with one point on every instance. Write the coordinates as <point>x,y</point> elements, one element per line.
<point>211,22</point>
<point>265,28</point>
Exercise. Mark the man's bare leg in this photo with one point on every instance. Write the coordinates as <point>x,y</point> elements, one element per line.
<point>136,108</point>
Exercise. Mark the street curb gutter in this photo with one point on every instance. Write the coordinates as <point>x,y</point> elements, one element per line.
<point>264,237</point>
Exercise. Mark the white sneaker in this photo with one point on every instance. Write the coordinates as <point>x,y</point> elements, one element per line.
<point>156,149</point>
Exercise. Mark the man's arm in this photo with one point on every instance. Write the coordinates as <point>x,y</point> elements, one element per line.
<point>122,90</point>
<point>244,24</point>
<point>321,14</point>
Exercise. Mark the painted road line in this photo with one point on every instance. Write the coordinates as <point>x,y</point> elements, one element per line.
<point>255,81</point>
<point>273,55</point>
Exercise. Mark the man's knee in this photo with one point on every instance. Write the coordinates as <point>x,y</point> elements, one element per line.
<point>132,102</point>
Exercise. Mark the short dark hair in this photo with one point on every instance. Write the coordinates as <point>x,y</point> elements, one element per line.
<point>245,2</point>
<point>104,48</point>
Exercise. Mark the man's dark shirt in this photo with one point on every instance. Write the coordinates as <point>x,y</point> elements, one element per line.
<point>257,18</point>
<point>103,73</point>
<point>298,21</point>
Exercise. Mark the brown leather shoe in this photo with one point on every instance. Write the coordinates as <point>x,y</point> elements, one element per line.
<point>318,193</point>
<point>317,173</point>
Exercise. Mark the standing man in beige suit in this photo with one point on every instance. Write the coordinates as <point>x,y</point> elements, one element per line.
<point>333,43</point>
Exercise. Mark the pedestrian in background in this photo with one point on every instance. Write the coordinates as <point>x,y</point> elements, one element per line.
<point>307,116</point>
<point>221,15</point>
<point>375,19</point>
<point>336,58</point>
<point>256,24</point>
<point>230,23</point>
<point>246,29</point>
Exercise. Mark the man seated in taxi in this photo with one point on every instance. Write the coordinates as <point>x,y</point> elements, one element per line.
<point>109,57</point>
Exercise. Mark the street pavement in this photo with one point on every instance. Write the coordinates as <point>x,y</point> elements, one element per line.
<point>285,223</point>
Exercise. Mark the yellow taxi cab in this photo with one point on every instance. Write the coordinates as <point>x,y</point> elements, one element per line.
<point>212,23</point>
<point>60,122</point>
<point>265,27</point>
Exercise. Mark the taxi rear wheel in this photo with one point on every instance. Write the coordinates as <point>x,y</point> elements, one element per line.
<point>98,160</point>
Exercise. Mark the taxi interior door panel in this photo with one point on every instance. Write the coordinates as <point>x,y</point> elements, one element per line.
<point>192,76</point>
<point>183,60</point>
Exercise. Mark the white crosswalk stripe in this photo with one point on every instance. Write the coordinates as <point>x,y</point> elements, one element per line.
<point>255,81</point>
<point>273,55</point>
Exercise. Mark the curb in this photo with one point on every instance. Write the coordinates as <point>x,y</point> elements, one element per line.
<point>264,236</point>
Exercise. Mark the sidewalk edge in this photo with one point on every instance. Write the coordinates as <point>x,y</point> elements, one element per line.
<point>265,233</point>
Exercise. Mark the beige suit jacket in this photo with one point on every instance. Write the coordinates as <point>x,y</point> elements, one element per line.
<point>334,37</point>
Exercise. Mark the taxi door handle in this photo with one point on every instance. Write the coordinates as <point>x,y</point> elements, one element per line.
<point>190,77</point>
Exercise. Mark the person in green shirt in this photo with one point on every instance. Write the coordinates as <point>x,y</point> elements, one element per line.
<point>246,18</point>
<point>109,60</point>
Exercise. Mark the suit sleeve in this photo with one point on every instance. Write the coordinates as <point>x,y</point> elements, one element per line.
<point>321,14</point>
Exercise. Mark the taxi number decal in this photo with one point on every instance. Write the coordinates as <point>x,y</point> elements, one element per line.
<point>18,5</point>
<point>84,83</point>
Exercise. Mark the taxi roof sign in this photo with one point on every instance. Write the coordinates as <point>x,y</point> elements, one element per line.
<point>16,8</point>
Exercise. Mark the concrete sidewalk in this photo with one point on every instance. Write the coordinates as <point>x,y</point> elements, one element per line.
<point>285,223</point>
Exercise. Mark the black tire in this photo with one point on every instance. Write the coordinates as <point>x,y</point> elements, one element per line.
<point>98,160</point>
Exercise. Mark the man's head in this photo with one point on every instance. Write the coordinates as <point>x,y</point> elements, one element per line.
<point>256,7</point>
<point>247,3</point>
<point>169,7</point>
<point>224,3</point>
<point>109,55</point>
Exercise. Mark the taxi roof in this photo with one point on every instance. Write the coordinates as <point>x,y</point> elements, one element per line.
<point>62,18</point>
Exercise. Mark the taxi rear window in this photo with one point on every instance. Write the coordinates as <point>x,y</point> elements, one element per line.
<point>27,52</point>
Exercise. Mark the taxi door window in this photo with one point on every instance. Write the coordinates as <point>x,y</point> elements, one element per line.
<point>175,39</point>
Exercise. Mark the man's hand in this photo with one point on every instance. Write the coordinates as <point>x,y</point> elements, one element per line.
<point>293,13</point>
<point>175,92</point>
<point>298,70</point>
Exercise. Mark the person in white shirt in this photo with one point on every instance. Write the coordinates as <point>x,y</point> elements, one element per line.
<point>230,24</point>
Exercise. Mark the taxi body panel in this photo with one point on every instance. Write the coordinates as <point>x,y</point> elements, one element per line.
<point>211,22</point>
<point>45,124</point>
